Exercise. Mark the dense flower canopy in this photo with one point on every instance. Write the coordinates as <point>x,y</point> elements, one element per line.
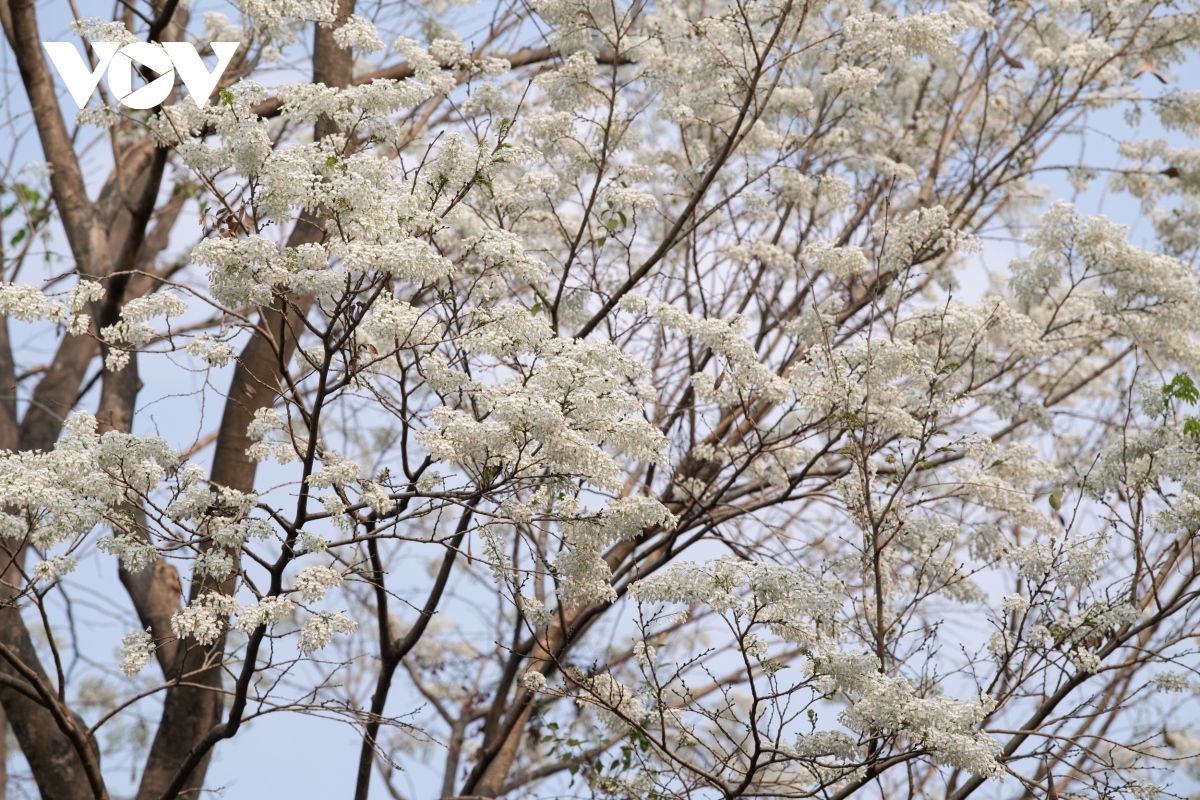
<point>613,400</point>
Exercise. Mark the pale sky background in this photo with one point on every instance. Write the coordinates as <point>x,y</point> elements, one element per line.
<point>296,756</point>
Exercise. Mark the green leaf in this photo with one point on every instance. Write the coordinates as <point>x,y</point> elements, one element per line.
<point>1191,427</point>
<point>600,242</point>
<point>1182,387</point>
<point>18,237</point>
<point>28,194</point>
<point>624,221</point>
<point>612,225</point>
<point>226,97</point>
<point>1056,499</point>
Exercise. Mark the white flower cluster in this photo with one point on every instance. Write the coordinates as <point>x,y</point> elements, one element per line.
<point>558,420</point>
<point>805,349</point>
<point>358,33</point>
<point>1085,271</point>
<point>213,352</point>
<point>745,375</point>
<point>96,29</point>
<point>827,743</point>
<point>619,705</point>
<point>643,654</point>
<point>54,567</point>
<point>536,612</point>
<point>335,470</point>
<point>134,326</point>
<point>394,325</point>
<point>28,304</point>
<point>1098,618</point>
<point>135,555</point>
<point>276,20</point>
<point>242,140</point>
<point>1085,660</point>
<point>266,612</point>
<point>60,496</point>
<point>205,618</point>
<point>945,727</point>
<point>269,438</point>
<point>137,648</point>
<point>210,615</point>
<point>320,628</point>
<point>534,681</point>
<point>790,602</point>
<point>312,582</point>
<point>1171,682</point>
<point>1069,564</point>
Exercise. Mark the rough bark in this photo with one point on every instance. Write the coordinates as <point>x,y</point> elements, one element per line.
<point>156,591</point>
<point>191,710</point>
<point>52,759</point>
<point>103,235</point>
<point>55,762</point>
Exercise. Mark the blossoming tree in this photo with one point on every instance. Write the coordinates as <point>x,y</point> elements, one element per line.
<point>607,401</point>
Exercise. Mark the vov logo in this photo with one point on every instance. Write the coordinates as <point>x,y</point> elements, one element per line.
<point>165,59</point>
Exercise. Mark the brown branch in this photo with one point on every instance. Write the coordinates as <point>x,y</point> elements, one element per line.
<point>191,722</point>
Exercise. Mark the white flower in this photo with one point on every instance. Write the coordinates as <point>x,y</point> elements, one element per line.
<point>376,497</point>
<point>116,360</point>
<point>83,293</point>
<point>827,743</point>
<point>319,629</point>
<point>215,563</point>
<point>54,567</point>
<point>536,612</point>
<point>268,611</point>
<point>855,82</point>
<point>644,654</point>
<point>134,326</point>
<point>358,33</point>
<point>101,30</point>
<point>1144,790</point>
<point>308,542</point>
<point>428,480</point>
<point>1085,660</point>
<point>534,681</point>
<point>754,646</point>
<point>135,555</point>
<point>1171,682</point>
<point>1000,644</point>
<point>205,618</point>
<point>213,353</point>
<point>1014,604</point>
<point>788,601</point>
<point>844,262</point>
<point>136,650</point>
<point>312,582</point>
<point>335,471</point>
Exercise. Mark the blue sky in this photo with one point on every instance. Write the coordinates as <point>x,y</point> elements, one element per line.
<point>297,756</point>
